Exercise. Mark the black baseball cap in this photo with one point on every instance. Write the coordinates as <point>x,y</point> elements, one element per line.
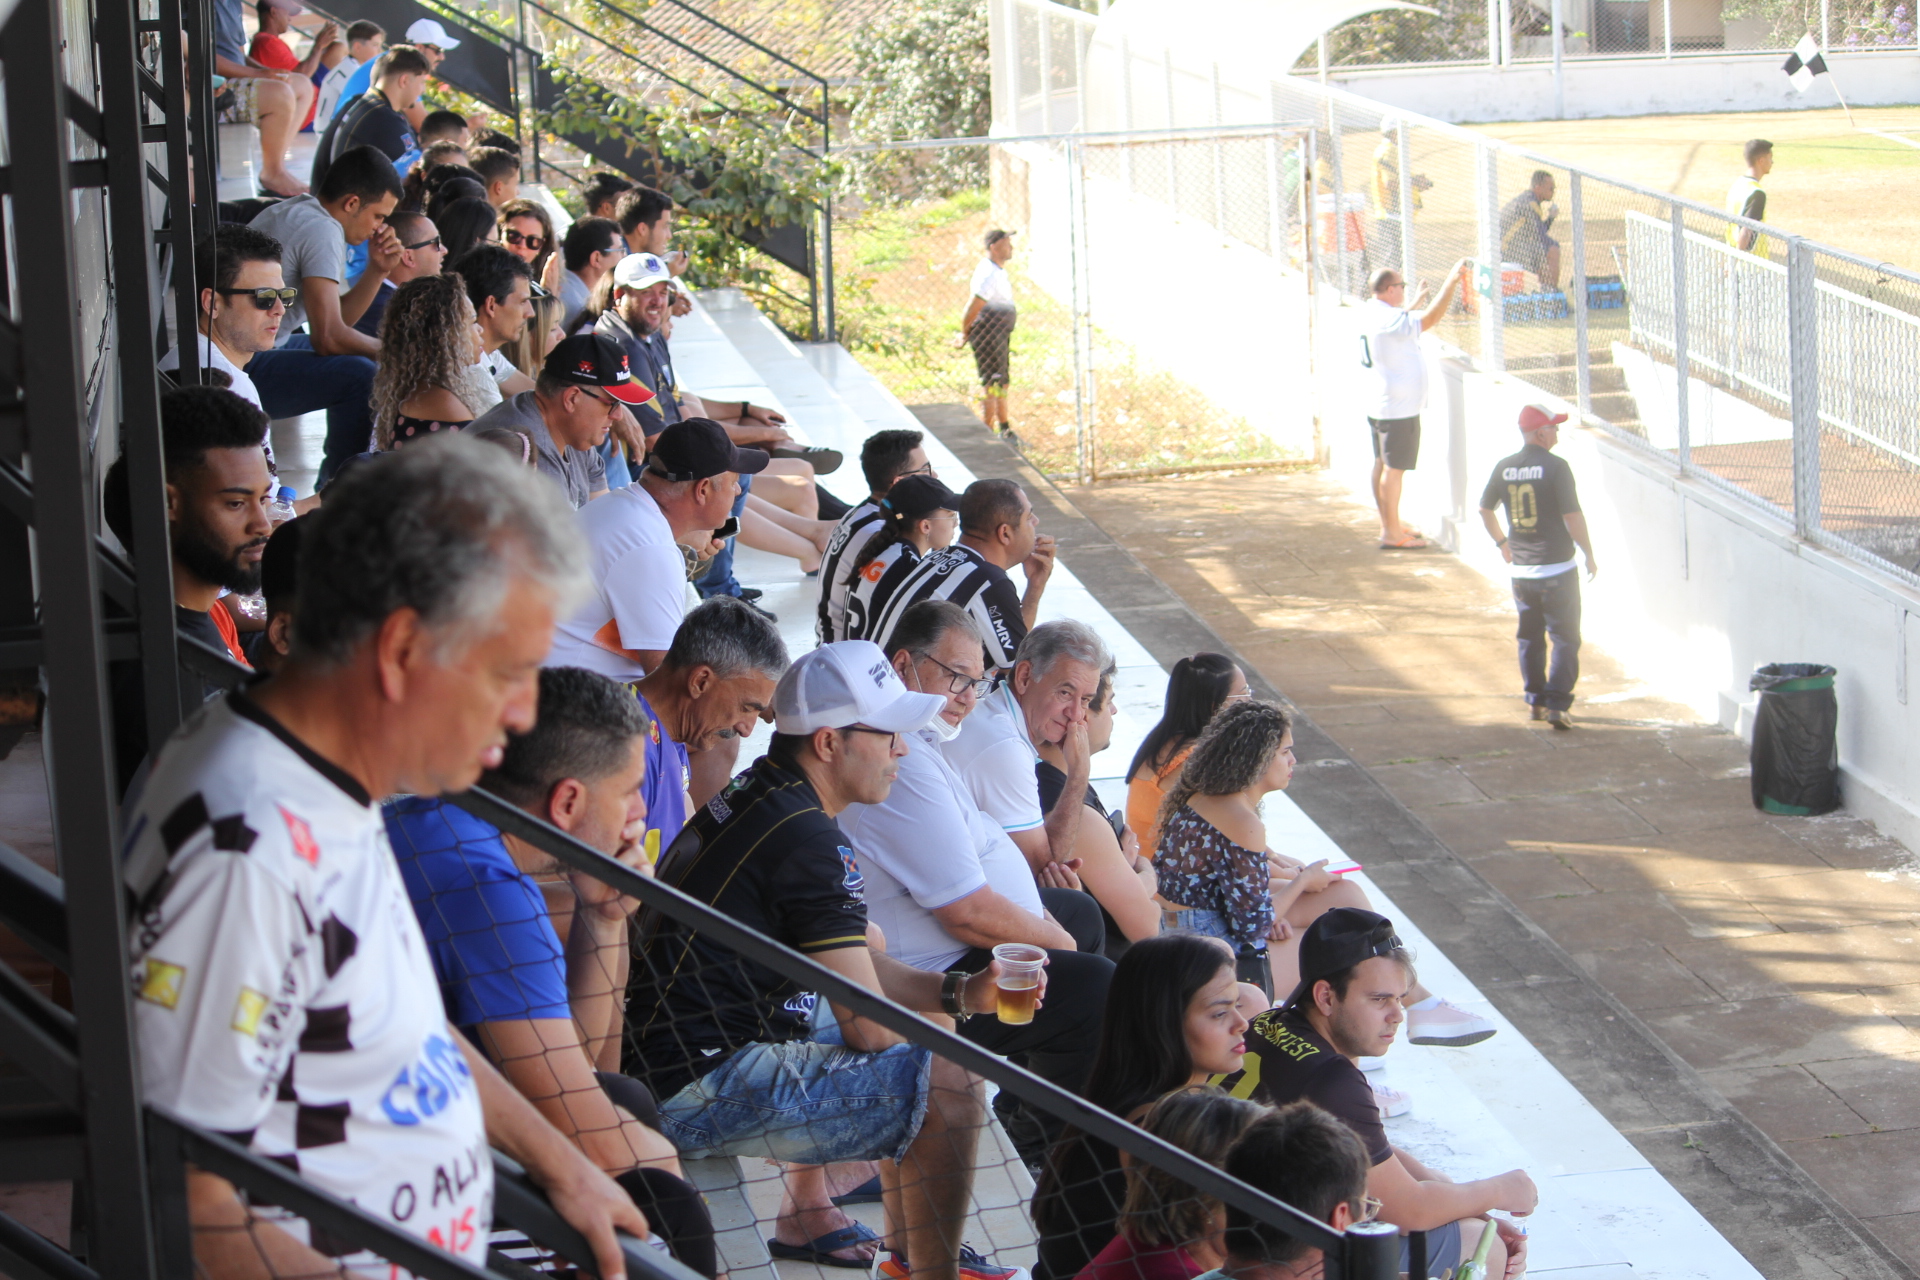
<point>1340,939</point>
<point>996,235</point>
<point>590,360</point>
<point>917,497</point>
<point>696,448</point>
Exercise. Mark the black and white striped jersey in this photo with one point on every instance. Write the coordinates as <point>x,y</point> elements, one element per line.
<point>879,578</point>
<point>967,578</point>
<point>849,536</point>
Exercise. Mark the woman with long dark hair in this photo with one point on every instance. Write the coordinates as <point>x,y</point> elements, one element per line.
<point>1197,688</point>
<point>465,223</point>
<point>918,515</point>
<point>1172,1020</point>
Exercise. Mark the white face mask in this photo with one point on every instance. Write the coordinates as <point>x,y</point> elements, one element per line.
<point>942,729</point>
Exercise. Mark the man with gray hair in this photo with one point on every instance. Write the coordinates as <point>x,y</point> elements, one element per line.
<point>714,685</point>
<point>1055,678</point>
<point>284,992</point>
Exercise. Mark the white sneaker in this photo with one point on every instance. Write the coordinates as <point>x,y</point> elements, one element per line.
<point>1446,1024</point>
<point>1371,1064</point>
<point>1391,1101</point>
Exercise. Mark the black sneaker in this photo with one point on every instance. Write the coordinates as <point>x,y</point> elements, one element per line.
<point>768,614</point>
<point>750,594</point>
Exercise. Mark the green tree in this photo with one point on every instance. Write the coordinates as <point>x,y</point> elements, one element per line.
<point>925,72</point>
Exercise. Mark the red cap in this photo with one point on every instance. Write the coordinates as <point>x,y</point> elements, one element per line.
<point>1534,417</point>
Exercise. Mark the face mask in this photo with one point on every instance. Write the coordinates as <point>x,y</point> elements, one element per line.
<point>941,729</point>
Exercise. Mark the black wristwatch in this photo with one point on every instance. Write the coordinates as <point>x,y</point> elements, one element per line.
<point>952,1003</point>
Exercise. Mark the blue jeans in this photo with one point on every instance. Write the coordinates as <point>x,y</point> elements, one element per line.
<point>803,1102</point>
<point>718,580</point>
<point>1549,609</point>
<point>295,379</point>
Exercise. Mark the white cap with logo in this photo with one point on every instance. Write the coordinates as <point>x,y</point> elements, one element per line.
<point>640,270</point>
<point>427,31</point>
<point>845,683</point>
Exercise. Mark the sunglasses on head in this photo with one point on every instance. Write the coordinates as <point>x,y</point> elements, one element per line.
<point>535,243</point>
<point>265,299</point>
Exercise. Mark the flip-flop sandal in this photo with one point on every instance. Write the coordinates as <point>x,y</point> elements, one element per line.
<point>868,1192</point>
<point>819,1251</point>
<point>824,461</point>
<point>1411,542</point>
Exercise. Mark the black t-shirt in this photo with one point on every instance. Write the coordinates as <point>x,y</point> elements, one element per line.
<point>373,123</point>
<point>1288,1060</point>
<point>764,853</point>
<point>1536,487</point>
<point>369,321</point>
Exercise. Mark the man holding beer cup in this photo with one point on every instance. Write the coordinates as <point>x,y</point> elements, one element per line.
<point>950,888</point>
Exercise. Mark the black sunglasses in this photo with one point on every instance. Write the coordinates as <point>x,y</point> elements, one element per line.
<point>535,243</point>
<point>263,298</point>
<point>436,242</point>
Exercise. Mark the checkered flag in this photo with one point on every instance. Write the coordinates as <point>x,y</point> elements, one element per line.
<point>1804,63</point>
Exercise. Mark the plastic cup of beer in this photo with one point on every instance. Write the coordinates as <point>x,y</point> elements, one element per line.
<point>1019,981</point>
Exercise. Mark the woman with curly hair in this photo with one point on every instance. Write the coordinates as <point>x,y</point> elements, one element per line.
<point>427,379</point>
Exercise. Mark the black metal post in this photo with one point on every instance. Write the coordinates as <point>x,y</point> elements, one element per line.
<point>79,736</point>
<point>132,235</point>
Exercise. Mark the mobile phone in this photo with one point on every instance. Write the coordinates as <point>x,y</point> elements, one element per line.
<point>728,530</point>
<point>1345,867</point>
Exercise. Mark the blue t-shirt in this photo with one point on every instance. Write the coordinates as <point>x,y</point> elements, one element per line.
<point>664,787</point>
<point>493,947</point>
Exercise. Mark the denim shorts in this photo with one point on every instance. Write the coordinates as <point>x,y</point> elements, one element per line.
<point>803,1102</point>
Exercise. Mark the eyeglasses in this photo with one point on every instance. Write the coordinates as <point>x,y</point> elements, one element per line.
<point>436,243</point>
<point>1242,696</point>
<point>265,299</point>
<point>960,681</point>
<point>1370,1207</point>
<point>924,469</point>
<point>613,406</point>
<point>535,243</point>
<point>893,739</point>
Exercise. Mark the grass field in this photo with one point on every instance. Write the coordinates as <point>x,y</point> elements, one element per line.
<point>1853,189</point>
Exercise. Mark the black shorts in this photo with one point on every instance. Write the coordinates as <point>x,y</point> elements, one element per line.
<point>1396,441</point>
<point>990,336</point>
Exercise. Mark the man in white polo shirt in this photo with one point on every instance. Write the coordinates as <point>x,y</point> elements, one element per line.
<point>1394,389</point>
<point>946,884</point>
<point>633,537</point>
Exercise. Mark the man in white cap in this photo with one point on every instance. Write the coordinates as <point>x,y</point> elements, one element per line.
<point>728,1045</point>
<point>426,35</point>
<point>1544,523</point>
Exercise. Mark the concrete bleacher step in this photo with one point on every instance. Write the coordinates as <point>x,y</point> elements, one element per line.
<point>1605,1213</point>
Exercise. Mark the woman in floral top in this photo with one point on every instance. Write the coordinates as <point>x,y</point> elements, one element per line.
<point>1214,860</point>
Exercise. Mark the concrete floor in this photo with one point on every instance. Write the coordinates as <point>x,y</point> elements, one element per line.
<point>1777,956</point>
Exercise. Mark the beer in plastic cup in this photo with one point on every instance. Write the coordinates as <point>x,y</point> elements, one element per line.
<point>1019,981</point>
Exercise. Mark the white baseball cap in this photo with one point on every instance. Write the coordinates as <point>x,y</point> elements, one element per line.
<point>427,31</point>
<point>849,682</point>
<point>639,270</point>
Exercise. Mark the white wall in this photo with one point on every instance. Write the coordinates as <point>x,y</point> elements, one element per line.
<point>1636,87</point>
<point>1696,587</point>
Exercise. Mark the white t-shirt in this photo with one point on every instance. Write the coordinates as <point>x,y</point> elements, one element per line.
<point>994,757</point>
<point>991,283</point>
<point>926,846</point>
<point>639,586</point>
<point>329,96</point>
<point>211,357</point>
<point>1391,366</point>
<point>284,992</point>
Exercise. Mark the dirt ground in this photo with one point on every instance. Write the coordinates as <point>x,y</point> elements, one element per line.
<point>1849,187</point>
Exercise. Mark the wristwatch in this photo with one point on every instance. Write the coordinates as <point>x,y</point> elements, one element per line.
<point>952,1002</point>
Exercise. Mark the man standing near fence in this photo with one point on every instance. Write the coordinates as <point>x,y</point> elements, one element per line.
<point>988,329</point>
<point>1745,199</point>
<point>1395,390</point>
<point>1544,522</point>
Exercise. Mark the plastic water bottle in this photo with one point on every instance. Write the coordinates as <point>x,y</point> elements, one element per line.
<point>280,507</point>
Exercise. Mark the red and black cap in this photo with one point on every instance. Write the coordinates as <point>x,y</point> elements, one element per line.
<point>590,360</point>
<point>697,448</point>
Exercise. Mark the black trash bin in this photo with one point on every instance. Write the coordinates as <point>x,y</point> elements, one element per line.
<point>1795,762</point>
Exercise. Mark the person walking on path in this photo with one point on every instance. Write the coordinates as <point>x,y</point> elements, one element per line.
<point>1395,390</point>
<point>1544,523</point>
<point>1746,199</point>
<point>988,329</point>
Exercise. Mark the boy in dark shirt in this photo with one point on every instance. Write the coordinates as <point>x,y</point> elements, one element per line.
<point>1544,522</point>
<point>377,118</point>
<point>1353,975</point>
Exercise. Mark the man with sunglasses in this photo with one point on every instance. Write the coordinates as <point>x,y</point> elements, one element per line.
<point>1354,974</point>
<point>639,576</point>
<point>581,389</point>
<point>421,254</point>
<point>243,301</point>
